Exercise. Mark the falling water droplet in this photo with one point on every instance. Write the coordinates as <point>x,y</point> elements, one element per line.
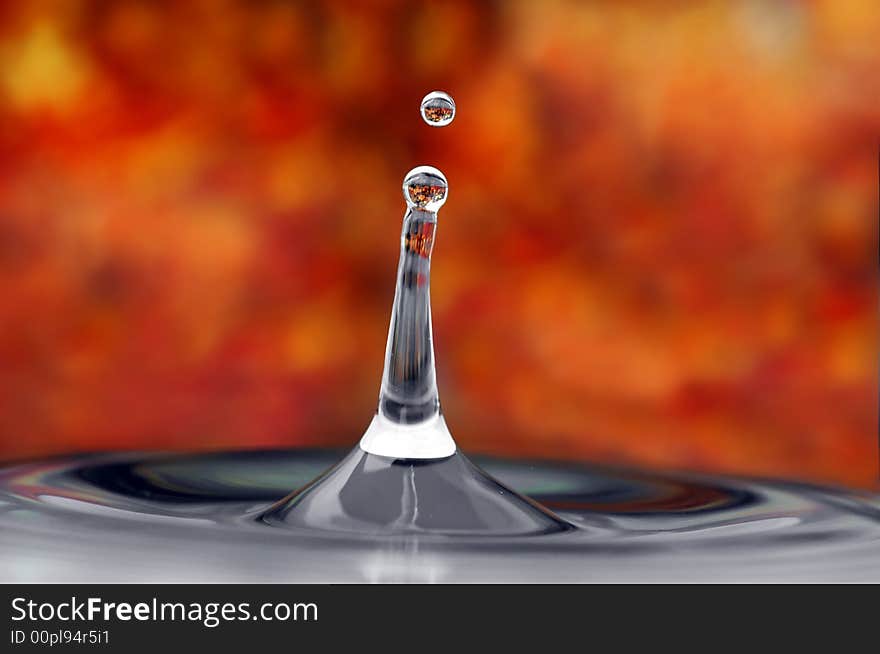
<point>438,109</point>
<point>425,187</point>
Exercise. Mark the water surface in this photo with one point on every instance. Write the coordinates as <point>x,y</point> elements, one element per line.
<point>197,518</point>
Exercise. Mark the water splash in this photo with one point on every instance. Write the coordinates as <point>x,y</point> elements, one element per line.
<point>406,475</point>
<point>406,505</point>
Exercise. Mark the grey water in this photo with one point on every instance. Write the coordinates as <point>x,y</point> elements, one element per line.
<point>210,518</point>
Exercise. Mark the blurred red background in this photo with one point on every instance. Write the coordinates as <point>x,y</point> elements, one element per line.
<point>659,246</point>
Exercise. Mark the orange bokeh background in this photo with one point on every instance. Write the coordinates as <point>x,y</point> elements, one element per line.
<point>659,247</point>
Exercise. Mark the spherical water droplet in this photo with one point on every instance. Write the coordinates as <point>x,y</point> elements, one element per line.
<point>425,187</point>
<point>438,109</point>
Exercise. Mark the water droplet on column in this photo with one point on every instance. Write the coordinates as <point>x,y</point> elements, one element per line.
<point>425,187</point>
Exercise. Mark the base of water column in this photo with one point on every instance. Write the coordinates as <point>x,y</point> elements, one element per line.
<point>368,494</point>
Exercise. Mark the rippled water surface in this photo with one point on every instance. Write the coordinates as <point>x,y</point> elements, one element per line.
<point>197,518</point>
